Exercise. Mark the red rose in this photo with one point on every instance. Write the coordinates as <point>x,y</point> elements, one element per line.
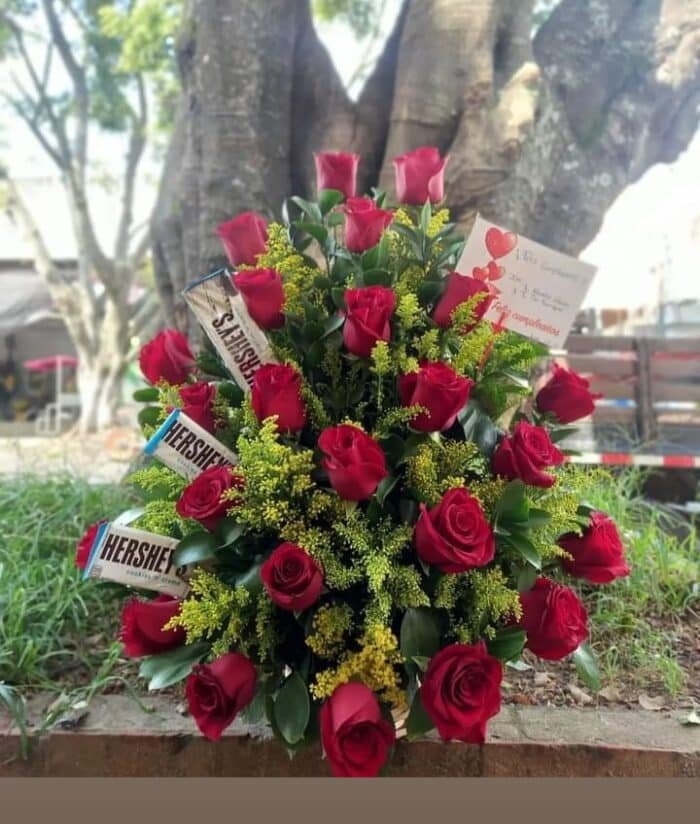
<point>354,462</point>
<point>167,357</point>
<point>217,692</point>
<point>277,391</point>
<point>554,619</point>
<point>420,176</point>
<point>356,738</point>
<point>202,498</point>
<point>292,578</point>
<point>566,396</point>
<point>84,545</point>
<point>598,554</point>
<point>336,170</point>
<point>437,388</point>
<point>454,536</point>
<point>263,295</point>
<point>367,315</point>
<point>364,223</point>
<point>524,455</point>
<point>244,238</point>
<point>197,403</point>
<point>142,625</point>
<point>461,690</point>
<point>460,289</point>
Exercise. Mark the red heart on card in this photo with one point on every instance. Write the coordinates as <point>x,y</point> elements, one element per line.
<point>481,274</point>
<point>500,243</point>
<point>495,272</point>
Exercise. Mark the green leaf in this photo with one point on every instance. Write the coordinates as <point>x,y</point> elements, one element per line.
<point>170,667</point>
<point>385,487</point>
<point>328,198</point>
<point>512,505</point>
<point>418,723</point>
<point>251,580</point>
<point>149,416</point>
<point>408,510</point>
<point>561,432</point>
<point>429,291</point>
<point>317,232</point>
<point>425,214</point>
<point>312,331</point>
<point>334,322</point>
<point>377,277</point>
<point>369,259</point>
<point>587,667</point>
<point>338,296</point>
<point>518,378</point>
<point>421,662</point>
<point>231,392</point>
<point>537,518</point>
<point>229,531</point>
<point>420,633</point>
<point>146,395</point>
<point>478,427</point>
<point>254,713</point>
<point>335,219</point>
<point>292,709</point>
<point>524,547</point>
<point>526,578</point>
<point>314,354</point>
<point>199,546</point>
<point>507,644</point>
<point>311,209</point>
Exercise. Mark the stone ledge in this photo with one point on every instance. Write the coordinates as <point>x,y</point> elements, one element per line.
<point>117,739</point>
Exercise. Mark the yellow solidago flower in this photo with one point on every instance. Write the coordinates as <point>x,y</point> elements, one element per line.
<point>375,665</point>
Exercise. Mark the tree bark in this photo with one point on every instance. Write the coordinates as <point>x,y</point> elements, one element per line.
<point>543,134</point>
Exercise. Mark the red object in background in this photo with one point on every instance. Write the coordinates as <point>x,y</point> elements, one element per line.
<point>51,363</point>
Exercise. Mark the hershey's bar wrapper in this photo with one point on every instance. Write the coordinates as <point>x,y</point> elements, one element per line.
<point>186,447</point>
<point>135,558</point>
<point>220,309</point>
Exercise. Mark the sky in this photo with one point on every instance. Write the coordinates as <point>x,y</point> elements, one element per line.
<point>647,231</point>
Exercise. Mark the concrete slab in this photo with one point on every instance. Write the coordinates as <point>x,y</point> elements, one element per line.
<point>119,739</point>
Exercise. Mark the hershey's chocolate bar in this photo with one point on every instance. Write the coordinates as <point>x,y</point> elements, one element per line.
<point>136,558</point>
<point>221,311</point>
<point>186,447</point>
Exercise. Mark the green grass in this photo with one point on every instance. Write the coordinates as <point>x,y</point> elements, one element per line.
<point>636,620</point>
<point>54,628</point>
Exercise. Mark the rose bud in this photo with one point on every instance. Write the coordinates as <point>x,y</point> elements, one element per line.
<point>202,499</point>
<point>263,295</point>
<point>244,238</point>
<point>217,692</point>
<point>437,388</point>
<point>197,403</point>
<point>598,555</point>
<point>356,738</point>
<point>367,315</point>
<point>461,690</point>
<point>353,460</point>
<point>167,357</point>
<point>364,223</point>
<point>337,170</point>
<point>524,455</point>
<point>460,289</point>
<point>566,396</point>
<point>84,545</point>
<point>292,578</point>
<point>277,391</point>
<point>142,625</point>
<point>454,536</point>
<point>420,176</point>
<point>555,621</point>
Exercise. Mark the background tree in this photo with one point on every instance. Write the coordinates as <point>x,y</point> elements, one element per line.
<point>544,131</point>
<point>83,68</point>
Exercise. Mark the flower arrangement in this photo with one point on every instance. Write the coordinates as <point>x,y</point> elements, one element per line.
<point>399,520</point>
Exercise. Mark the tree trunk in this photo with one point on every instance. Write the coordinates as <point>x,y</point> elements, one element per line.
<point>542,134</point>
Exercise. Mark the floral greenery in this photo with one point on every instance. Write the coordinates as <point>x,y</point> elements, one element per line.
<point>375,587</point>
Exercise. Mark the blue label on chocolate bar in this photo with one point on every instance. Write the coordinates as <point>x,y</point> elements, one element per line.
<point>206,277</point>
<point>161,432</point>
<point>95,549</point>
